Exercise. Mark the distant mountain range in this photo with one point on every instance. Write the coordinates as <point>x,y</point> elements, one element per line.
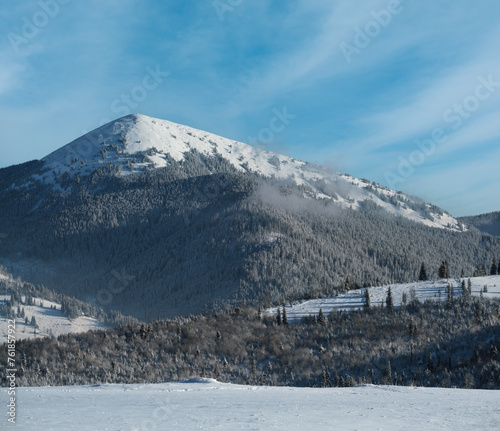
<point>148,216</point>
<point>487,223</point>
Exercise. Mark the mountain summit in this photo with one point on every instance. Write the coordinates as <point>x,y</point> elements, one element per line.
<point>121,141</point>
<point>137,143</point>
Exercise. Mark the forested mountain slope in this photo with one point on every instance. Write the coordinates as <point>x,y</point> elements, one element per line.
<point>192,233</point>
<point>487,223</point>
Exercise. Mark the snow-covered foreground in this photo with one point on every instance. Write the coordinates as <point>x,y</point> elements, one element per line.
<point>355,299</point>
<point>207,404</point>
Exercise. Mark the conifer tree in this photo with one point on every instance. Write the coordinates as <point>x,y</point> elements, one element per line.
<point>325,379</point>
<point>321,317</point>
<point>367,303</point>
<point>441,270</point>
<point>493,269</point>
<point>347,284</point>
<point>423,273</point>
<point>388,300</point>
<point>444,270</point>
<point>387,377</point>
<point>451,295</point>
<point>284,319</point>
<point>278,317</point>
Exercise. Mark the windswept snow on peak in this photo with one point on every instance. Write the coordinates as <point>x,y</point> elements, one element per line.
<point>119,142</point>
<point>398,203</point>
<point>136,142</point>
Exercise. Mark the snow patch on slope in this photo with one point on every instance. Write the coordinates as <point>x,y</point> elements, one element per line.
<point>50,320</point>
<point>355,299</point>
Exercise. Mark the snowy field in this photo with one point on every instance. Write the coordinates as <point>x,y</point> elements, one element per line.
<point>209,405</point>
<point>355,299</point>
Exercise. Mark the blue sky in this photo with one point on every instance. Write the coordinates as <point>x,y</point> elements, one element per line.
<point>403,93</point>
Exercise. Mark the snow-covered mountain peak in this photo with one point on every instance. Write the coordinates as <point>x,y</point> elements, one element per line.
<point>120,142</point>
<point>135,143</point>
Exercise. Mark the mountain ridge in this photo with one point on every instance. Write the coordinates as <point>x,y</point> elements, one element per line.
<point>202,233</point>
<point>136,143</point>
<point>488,223</point>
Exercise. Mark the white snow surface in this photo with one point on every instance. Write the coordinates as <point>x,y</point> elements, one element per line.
<point>355,299</point>
<point>206,404</point>
<point>119,142</point>
<point>50,320</point>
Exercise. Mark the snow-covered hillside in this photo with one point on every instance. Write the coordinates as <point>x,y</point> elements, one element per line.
<point>137,142</point>
<point>488,286</point>
<point>208,405</point>
<point>49,319</point>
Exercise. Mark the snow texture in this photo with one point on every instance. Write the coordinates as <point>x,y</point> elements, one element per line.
<point>207,404</point>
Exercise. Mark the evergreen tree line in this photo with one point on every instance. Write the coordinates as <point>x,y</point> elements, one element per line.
<point>444,270</point>
<point>452,343</point>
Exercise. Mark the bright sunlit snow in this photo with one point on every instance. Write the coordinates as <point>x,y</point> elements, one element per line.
<point>209,405</point>
<point>355,299</point>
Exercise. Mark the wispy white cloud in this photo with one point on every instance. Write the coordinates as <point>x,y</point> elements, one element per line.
<point>464,188</point>
<point>227,77</point>
<point>313,57</point>
<point>427,105</point>
<point>481,131</point>
<point>9,75</point>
